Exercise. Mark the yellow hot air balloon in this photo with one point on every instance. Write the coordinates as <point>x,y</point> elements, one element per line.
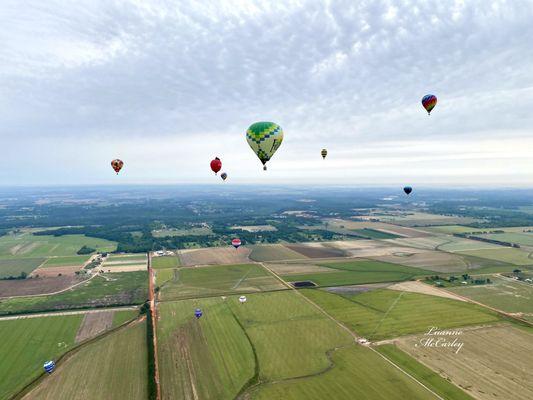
<point>264,138</point>
<point>324,153</point>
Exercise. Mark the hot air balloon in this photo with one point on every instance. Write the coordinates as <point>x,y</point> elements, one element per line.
<point>429,102</point>
<point>324,153</point>
<point>242,299</point>
<point>117,165</point>
<point>236,242</point>
<point>223,175</point>
<point>407,190</point>
<point>264,138</point>
<point>49,366</point>
<point>198,313</point>
<point>216,165</point>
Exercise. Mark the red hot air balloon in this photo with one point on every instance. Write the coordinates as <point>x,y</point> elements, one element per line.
<point>216,165</point>
<point>117,165</point>
<point>236,242</point>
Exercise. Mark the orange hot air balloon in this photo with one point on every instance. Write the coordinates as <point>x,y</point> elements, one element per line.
<point>117,165</point>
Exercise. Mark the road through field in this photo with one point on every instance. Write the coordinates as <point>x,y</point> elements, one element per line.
<point>341,325</point>
<point>151,294</point>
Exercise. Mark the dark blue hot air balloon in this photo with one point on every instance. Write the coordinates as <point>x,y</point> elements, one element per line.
<point>198,313</point>
<point>407,189</point>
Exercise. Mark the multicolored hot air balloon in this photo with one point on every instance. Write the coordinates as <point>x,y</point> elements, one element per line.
<point>324,153</point>
<point>429,102</point>
<point>223,175</point>
<point>49,366</point>
<point>264,138</point>
<point>242,299</point>
<point>236,242</point>
<point>407,190</point>
<point>198,313</point>
<point>216,165</point>
<point>117,165</point>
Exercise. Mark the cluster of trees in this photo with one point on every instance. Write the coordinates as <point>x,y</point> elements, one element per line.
<point>23,275</point>
<point>487,240</point>
<point>452,279</point>
<point>85,250</point>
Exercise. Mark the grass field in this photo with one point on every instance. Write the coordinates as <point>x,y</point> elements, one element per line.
<point>211,357</point>
<point>356,272</point>
<point>437,261</point>
<point>119,317</point>
<point>381,314</point>
<point>425,375</point>
<point>358,373</point>
<point>524,239</point>
<point>291,337</point>
<point>374,234</point>
<point>165,262</point>
<point>504,254</point>
<point>494,362</point>
<point>109,289</point>
<point>273,252</point>
<point>27,343</point>
<point>65,261</point>
<point>456,244</point>
<point>222,279</point>
<point>14,267</point>
<point>450,229</point>
<point>503,294</point>
<point>114,367</point>
<point>26,244</point>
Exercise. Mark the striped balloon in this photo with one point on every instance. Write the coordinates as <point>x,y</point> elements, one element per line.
<point>324,153</point>
<point>49,366</point>
<point>429,102</point>
<point>236,242</point>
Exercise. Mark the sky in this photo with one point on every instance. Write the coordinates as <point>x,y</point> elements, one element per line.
<point>168,85</point>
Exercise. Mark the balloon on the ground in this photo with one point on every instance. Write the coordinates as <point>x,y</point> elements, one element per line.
<point>407,189</point>
<point>216,165</point>
<point>264,138</point>
<point>242,299</point>
<point>223,175</point>
<point>324,153</point>
<point>117,165</point>
<point>236,243</point>
<point>49,366</point>
<point>429,102</point>
<point>198,313</point>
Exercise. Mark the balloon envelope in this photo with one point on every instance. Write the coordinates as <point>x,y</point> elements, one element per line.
<point>117,165</point>
<point>236,242</point>
<point>242,299</point>
<point>49,366</point>
<point>198,313</point>
<point>264,138</point>
<point>324,153</point>
<point>216,165</point>
<point>429,102</point>
<point>407,189</point>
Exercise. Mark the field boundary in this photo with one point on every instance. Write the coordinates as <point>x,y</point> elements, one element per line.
<point>152,331</point>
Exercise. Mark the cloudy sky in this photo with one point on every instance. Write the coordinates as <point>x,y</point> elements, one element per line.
<point>168,85</point>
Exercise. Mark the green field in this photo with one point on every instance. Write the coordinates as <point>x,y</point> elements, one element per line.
<point>105,290</point>
<point>134,257</point>
<point>456,244</point>
<point>27,343</point>
<point>65,261</point>
<point>450,229</point>
<point>525,239</point>
<point>504,294</point>
<point>273,252</point>
<point>211,354</point>
<point>14,267</point>
<point>505,254</point>
<point>221,279</point>
<point>358,373</point>
<point>381,314</point>
<point>119,317</point>
<point>113,367</point>
<point>358,272</point>
<point>374,234</point>
<point>27,245</point>
<point>425,375</point>
<point>165,262</point>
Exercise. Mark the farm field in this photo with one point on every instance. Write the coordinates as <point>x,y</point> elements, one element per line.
<point>27,343</point>
<point>223,279</point>
<point>370,233</point>
<point>494,362</point>
<point>103,290</point>
<point>113,367</point>
<point>449,229</point>
<point>456,244</point>
<point>358,373</point>
<point>524,239</point>
<point>273,252</point>
<point>504,254</point>
<point>344,225</point>
<point>70,261</point>
<point>419,219</point>
<point>214,255</point>
<point>357,272</point>
<point>27,245</point>
<point>381,314</point>
<point>165,262</point>
<point>14,267</point>
<point>211,357</point>
<point>40,285</point>
<point>199,231</point>
<point>503,294</point>
<point>316,250</point>
<point>437,261</point>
